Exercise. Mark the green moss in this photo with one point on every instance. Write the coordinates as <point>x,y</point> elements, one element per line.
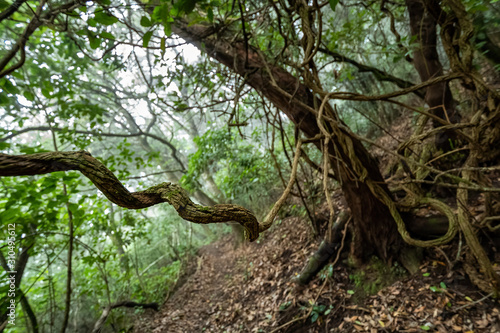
<point>373,277</point>
<point>154,189</point>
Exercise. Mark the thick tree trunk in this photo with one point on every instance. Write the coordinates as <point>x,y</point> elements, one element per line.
<point>375,230</point>
<point>29,312</point>
<point>426,61</point>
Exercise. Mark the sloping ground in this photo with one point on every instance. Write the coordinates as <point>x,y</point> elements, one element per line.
<point>236,290</point>
<point>250,290</point>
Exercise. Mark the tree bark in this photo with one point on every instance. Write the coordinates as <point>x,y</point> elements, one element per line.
<point>19,268</point>
<point>29,312</point>
<point>325,251</point>
<point>116,238</point>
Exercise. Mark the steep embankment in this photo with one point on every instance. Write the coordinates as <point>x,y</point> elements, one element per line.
<point>250,290</point>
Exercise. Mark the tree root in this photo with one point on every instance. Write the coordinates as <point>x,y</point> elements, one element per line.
<point>325,251</point>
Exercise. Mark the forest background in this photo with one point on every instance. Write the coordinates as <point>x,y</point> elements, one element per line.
<point>240,106</point>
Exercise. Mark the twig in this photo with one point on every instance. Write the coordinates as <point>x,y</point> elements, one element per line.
<point>474,302</point>
<point>288,323</point>
<point>450,265</point>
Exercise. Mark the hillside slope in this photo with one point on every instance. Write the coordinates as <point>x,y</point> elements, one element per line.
<point>250,289</point>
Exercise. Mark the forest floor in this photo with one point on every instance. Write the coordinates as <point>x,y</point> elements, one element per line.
<point>250,289</point>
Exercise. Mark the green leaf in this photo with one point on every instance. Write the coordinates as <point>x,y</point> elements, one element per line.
<point>94,42</point>
<point>9,87</point>
<point>284,306</point>
<point>147,38</point>
<point>29,96</point>
<point>210,14</point>
<point>46,93</point>
<point>105,18</point>
<point>187,6</point>
<point>4,99</point>
<point>161,13</point>
<point>146,22</point>
<point>162,44</point>
<point>425,327</point>
<point>48,85</point>
<point>73,207</point>
<point>167,29</point>
<point>17,75</point>
<point>48,189</point>
<point>107,35</point>
<point>91,22</point>
<point>10,214</point>
<point>3,4</point>
<point>333,4</point>
<point>319,308</point>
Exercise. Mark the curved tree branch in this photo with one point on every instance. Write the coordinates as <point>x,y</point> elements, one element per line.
<point>110,186</point>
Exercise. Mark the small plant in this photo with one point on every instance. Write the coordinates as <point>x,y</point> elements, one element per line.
<point>440,289</point>
<point>326,272</point>
<point>317,310</point>
<point>285,306</point>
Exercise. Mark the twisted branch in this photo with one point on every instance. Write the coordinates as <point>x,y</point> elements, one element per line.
<point>113,189</point>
